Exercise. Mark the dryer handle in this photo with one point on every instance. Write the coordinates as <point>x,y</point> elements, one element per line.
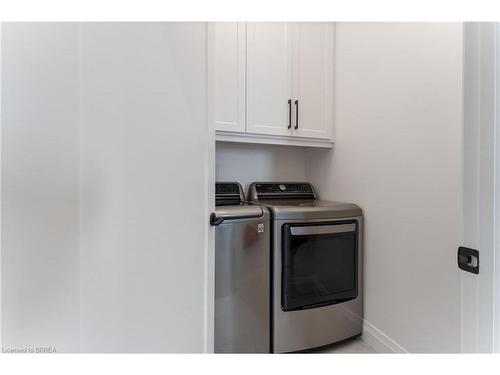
<point>323,229</point>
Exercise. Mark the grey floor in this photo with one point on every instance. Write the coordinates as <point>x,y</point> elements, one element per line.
<point>356,346</point>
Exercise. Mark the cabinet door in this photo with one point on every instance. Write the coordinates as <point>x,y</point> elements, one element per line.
<point>229,64</point>
<point>313,84</point>
<point>268,78</point>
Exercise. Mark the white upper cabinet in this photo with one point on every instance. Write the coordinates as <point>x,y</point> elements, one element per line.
<point>274,82</point>
<point>313,79</point>
<point>269,87</point>
<point>229,68</point>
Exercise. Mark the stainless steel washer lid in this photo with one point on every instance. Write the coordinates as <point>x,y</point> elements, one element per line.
<point>310,209</point>
<point>238,213</point>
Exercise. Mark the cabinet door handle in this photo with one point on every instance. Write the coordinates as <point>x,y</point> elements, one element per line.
<point>289,113</point>
<point>296,114</point>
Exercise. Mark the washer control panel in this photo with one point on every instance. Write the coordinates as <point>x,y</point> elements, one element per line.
<point>289,190</point>
<point>228,193</point>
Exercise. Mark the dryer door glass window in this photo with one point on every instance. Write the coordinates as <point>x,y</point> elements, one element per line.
<point>319,264</point>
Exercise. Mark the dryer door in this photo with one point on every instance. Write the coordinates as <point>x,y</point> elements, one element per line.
<point>319,264</point>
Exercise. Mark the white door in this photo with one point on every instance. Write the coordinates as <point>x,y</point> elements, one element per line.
<point>313,69</point>
<point>268,78</point>
<point>229,64</point>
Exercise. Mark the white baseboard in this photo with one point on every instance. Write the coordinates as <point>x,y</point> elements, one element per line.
<point>379,341</point>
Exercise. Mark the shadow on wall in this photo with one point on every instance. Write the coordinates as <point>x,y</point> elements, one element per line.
<point>246,163</point>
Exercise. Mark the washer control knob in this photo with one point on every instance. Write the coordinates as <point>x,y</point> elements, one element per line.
<point>282,187</point>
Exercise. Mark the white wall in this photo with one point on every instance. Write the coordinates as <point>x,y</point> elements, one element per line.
<point>398,154</point>
<point>40,190</point>
<point>246,163</point>
<point>144,146</point>
<point>104,131</point>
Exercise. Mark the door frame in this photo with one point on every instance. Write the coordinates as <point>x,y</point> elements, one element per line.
<point>496,318</point>
<point>480,315</point>
<point>209,253</point>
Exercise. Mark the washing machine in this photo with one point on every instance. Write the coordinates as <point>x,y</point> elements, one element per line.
<point>242,272</point>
